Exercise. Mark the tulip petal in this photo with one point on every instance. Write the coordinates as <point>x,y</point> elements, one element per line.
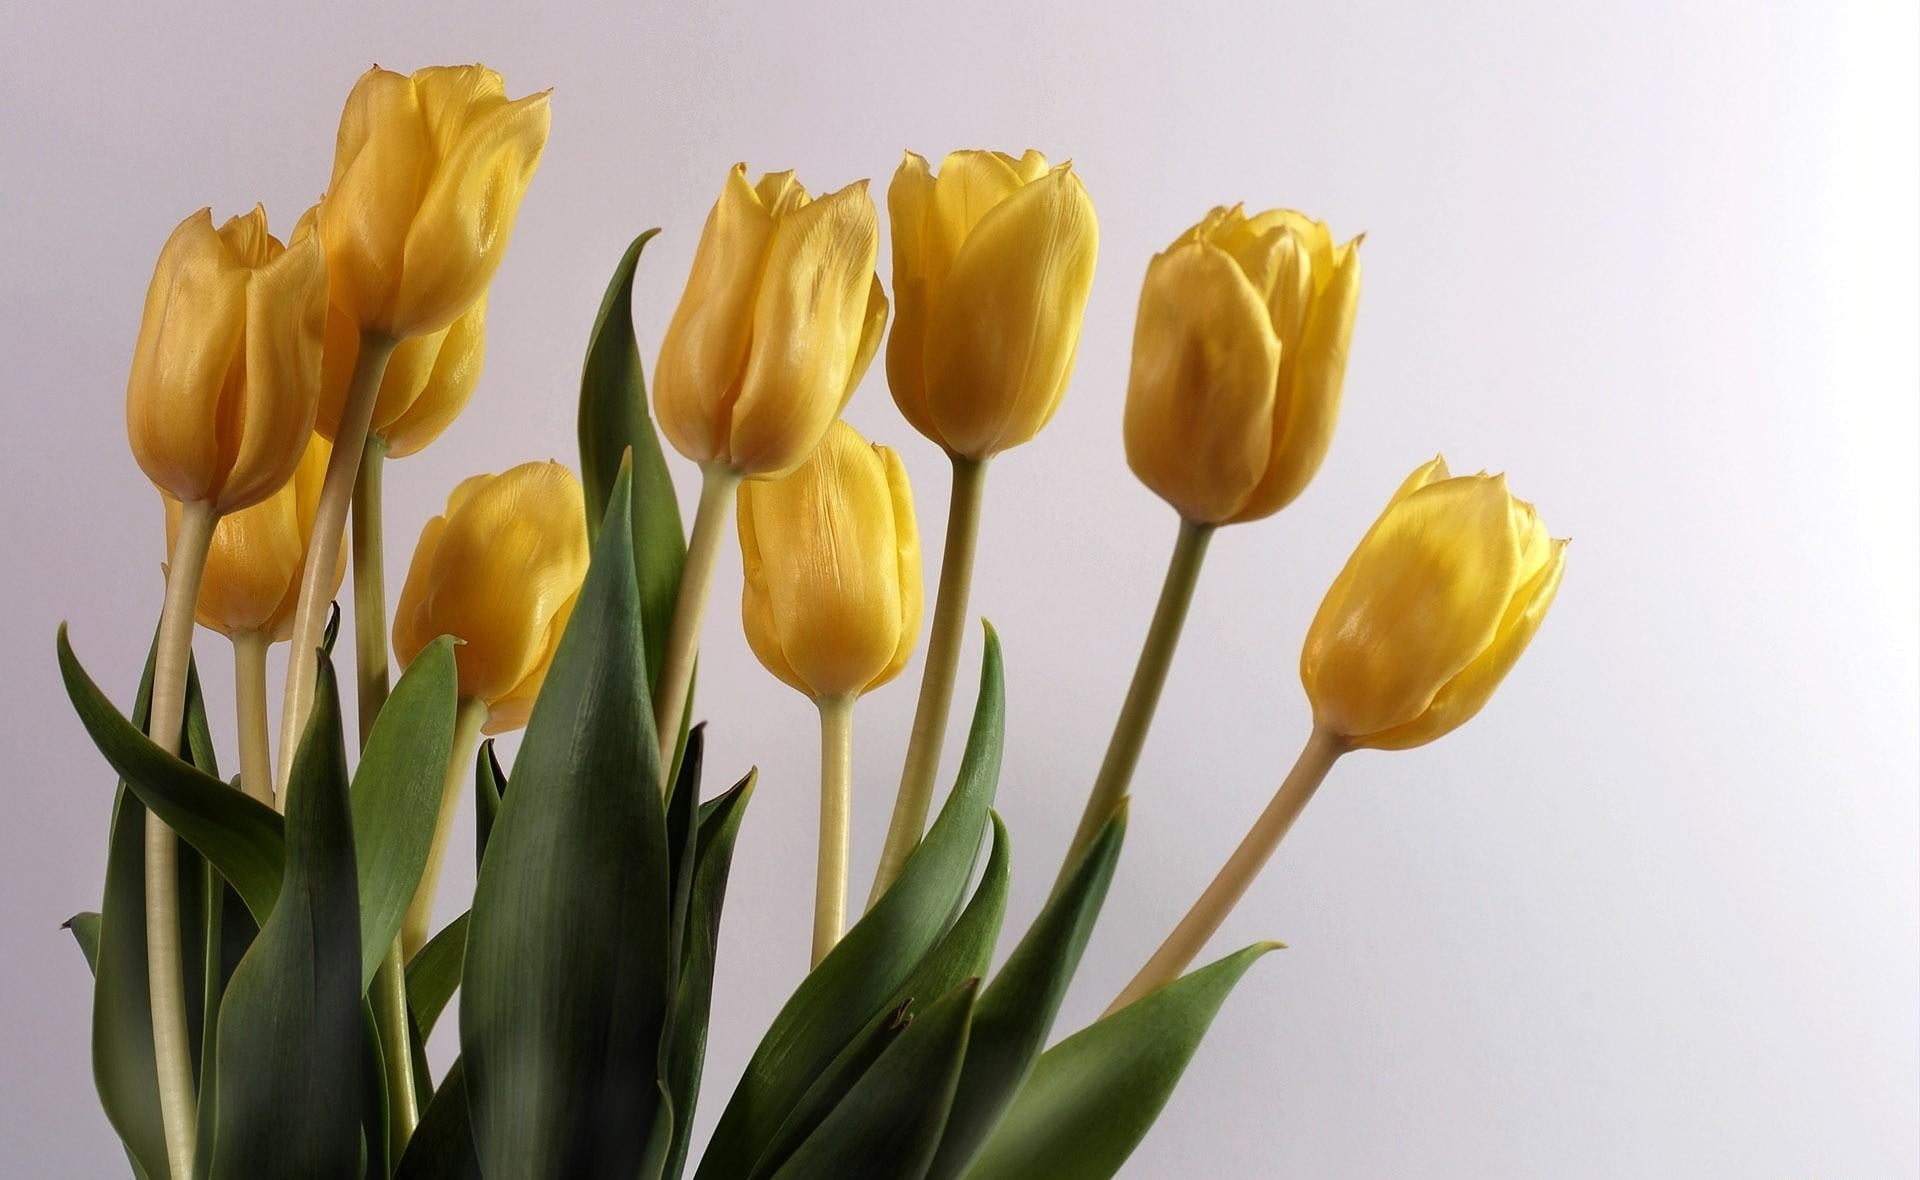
<point>909,207</point>
<point>445,390</point>
<point>382,163</point>
<point>272,411</point>
<point>1200,398</point>
<point>1001,349</point>
<point>704,352</point>
<point>757,615</point>
<point>454,98</point>
<point>809,321</point>
<point>871,330</point>
<point>1419,600</point>
<point>970,185</point>
<point>912,588</point>
<point>781,193</point>
<point>513,710</point>
<point>246,238</point>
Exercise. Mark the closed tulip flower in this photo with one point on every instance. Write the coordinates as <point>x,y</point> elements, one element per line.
<point>1431,611</point>
<point>992,263</point>
<point>782,314</point>
<point>499,572</point>
<point>428,381</point>
<point>226,369</point>
<point>832,562</point>
<point>428,174</point>
<point>1238,357</point>
<point>254,563</point>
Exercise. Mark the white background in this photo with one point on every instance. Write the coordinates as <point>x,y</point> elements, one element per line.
<point>1654,913</point>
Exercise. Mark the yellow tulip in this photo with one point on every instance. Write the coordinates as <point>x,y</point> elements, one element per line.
<point>428,173</point>
<point>1431,612</point>
<point>832,560</point>
<point>253,569</point>
<point>1238,357</point>
<point>992,264</point>
<point>226,369</point>
<point>782,314</point>
<point>428,380</point>
<point>499,572</point>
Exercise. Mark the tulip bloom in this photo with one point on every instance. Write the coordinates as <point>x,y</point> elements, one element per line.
<point>1238,357</point>
<point>226,369</point>
<point>254,563</point>
<point>1431,611</point>
<point>832,562</point>
<point>428,174</point>
<point>782,314</point>
<point>428,380</point>
<point>499,572</point>
<point>992,264</point>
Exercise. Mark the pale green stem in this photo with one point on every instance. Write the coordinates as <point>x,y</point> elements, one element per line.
<point>166,987</point>
<point>929,732</point>
<point>1143,695</point>
<point>718,484</point>
<point>250,704</point>
<point>396,1046</point>
<point>323,550</point>
<point>466,739</point>
<point>369,587</point>
<point>1323,748</point>
<point>836,806</point>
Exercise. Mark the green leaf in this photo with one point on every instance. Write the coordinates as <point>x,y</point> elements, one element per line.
<point>860,977</point>
<point>243,838</point>
<point>375,1127</point>
<point>442,1145</point>
<point>613,417</point>
<point>292,1034</point>
<point>719,825</point>
<point>966,951</point>
<point>85,927</point>
<point>489,784</point>
<point>566,990</point>
<point>1094,1096</point>
<point>1017,1010</point>
<point>433,974</point>
<point>889,1124</point>
<point>831,1087</point>
<point>396,796</point>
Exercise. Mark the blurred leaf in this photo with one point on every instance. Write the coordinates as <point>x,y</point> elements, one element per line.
<point>375,1129</point>
<point>396,796</point>
<point>85,927</point>
<point>860,977</point>
<point>1094,1096</point>
<point>243,838</point>
<point>292,1035</point>
<point>566,991</point>
<point>889,1124</point>
<point>433,974</point>
<point>442,1145</point>
<point>1016,1012</point>
<point>489,784</point>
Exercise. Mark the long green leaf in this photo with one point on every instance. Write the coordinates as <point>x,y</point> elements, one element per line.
<point>85,928</point>
<point>442,1145</point>
<point>566,991</point>
<point>433,974</point>
<point>489,786</point>
<point>1017,1010</point>
<point>396,796</point>
<point>1094,1096</point>
<point>243,838</point>
<point>860,977</point>
<point>292,1028</point>
<point>889,1124</point>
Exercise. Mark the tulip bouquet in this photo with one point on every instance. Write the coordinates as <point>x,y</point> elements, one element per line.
<point>265,968</point>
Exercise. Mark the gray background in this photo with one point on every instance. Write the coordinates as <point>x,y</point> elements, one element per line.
<point>1653,913</point>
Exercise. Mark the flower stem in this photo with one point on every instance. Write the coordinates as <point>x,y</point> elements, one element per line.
<point>929,732</point>
<point>166,988</point>
<point>323,551</point>
<point>396,1046</point>
<point>466,737</point>
<point>836,806</point>
<point>1143,695</point>
<point>369,587</point>
<point>717,486</point>
<point>1256,848</point>
<point>250,704</point>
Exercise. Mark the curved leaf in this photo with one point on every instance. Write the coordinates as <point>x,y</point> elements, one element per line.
<point>859,978</point>
<point>442,1145</point>
<point>433,974</point>
<point>489,785</point>
<point>1094,1096</point>
<point>85,928</point>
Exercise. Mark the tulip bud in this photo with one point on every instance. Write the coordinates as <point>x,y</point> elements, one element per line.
<point>428,380</point>
<point>252,576</point>
<point>499,572</point>
<point>832,561</point>
<point>992,264</point>
<point>226,369</point>
<point>428,173</point>
<point>1431,611</point>
<point>782,314</point>
<point>1238,356</point>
